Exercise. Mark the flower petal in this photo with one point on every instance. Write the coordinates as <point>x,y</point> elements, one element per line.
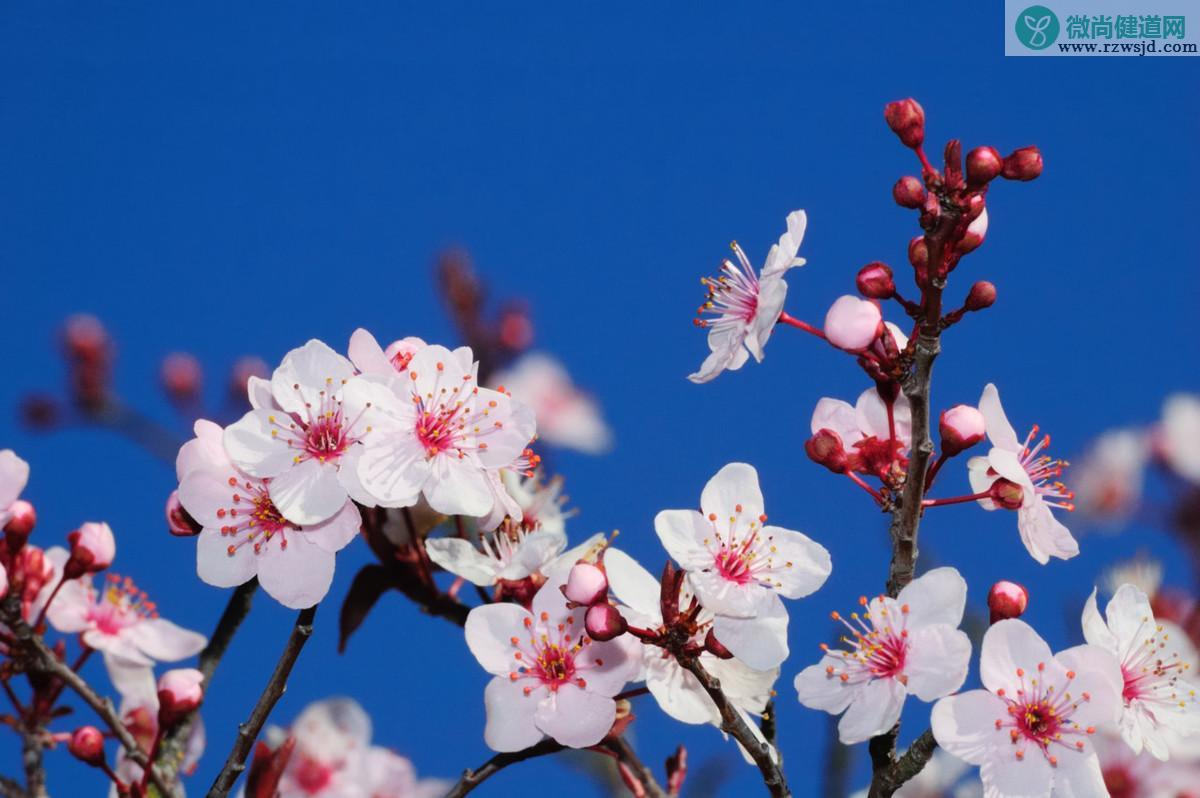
<point>759,641</point>
<point>574,717</point>
<point>1010,645</point>
<point>510,725</point>
<point>873,711</point>
<point>938,596</point>
<point>1028,777</point>
<point>490,630</point>
<point>1043,535</point>
<point>216,566</point>
<point>298,576</point>
<point>252,447</point>
<point>462,558</point>
<point>999,431</point>
<point>682,533</point>
<point>937,661</point>
<point>839,416</point>
<point>732,492</point>
<point>803,565</point>
<point>965,725</point>
<point>1095,630</point>
<point>819,688</point>
<point>457,486</point>
<point>632,584</point>
<point>165,641</point>
<point>306,375</point>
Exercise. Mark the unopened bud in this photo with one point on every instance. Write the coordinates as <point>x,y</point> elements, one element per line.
<point>875,281</point>
<point>981,296</point>
<point>984,164</point>
<point>92,550</point>
<point>975,233</point>
<point>1007,600</point>
<point>909,192</point>
<point>604,622</point>
<point>22,518</point>
<point>852,323</point>
<point>87,745</point>
<point>1006,494</point>
<point>586,585</point>
<point>1023,164</point>
<point>180,692</point>
<point>179,522</point>
<point>960,427</point>
<point>516,329</point>
<point>918,253</point>
<point>181,376</point>
<point>85,339</point>
<point>825,448</point>
<point>906,118</point>
<point>715,647</point>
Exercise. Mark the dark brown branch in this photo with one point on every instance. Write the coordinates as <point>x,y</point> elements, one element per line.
<point>471,779</point>
<point>11,789</point>
<point>733,724</point>
<point>248,731</point>
<point>32,750</point>
<point>885,782</point>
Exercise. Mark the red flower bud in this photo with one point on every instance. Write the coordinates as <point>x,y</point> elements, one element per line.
<point>1007,600</point>
<point>180,691</point>
<point>1007,495</point>
<point>181,376</point>
<point>586,585</point>
<point>1023,164</point>
<point>604,622</point>
<point>85,339</point>
<point>981,295</point>
<point>179,522</point>
<point>826,448</point>
<point>715,647</point>
<point>92,550</point>
<point>960,427</point>
<point>21,521</point>
<point>906,118</point>
<point>918,253</point>
<point>909,192</point>
<point>974,234</point>
<point>87,745</point>
<point>875,281</point>
<point>984,164</point>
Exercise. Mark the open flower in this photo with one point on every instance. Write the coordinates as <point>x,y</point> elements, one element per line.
<point>566,416</point>
<point>746,306</point>
<point>1023,464</point>
<point>549,677</point>
<point>303,435</point>
<point>14,475</point>
<point>739,567</point>
<point>908,644</point>
<point>1156,657</point>
<point>874,439</point>
<point>245,534</point>
<point>434,432</point>
<point>1030,730</point>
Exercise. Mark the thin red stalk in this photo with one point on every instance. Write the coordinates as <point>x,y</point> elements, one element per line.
<point>792,321</point>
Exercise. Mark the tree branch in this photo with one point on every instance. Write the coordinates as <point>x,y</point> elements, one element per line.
<point>471,779</point>
<point>885,782</point>
<point>11,789</point>
<point>248,731</point>
<point>628,757</point>
<point>32,749</point>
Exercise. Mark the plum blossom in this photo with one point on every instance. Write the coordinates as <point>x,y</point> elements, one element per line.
<point>676,690</point>
<point>139,711</point>
<point>532,502</point>
<point>1130,775</point>
<point>746,305</point>
<point>302,434</point>
<point>14,475</point>
<point>435,433</point>
<point>910,644</point>
<point>1108,481</point>
<point>566,416</point>
<point>1179,435</point>
<point>1156,657</point>
<point>1030,730</point>
<point>244,533</point>
<point>549,678</point>
<point>119,621</point>
<point>866,430</point>
<point>1023,464</point>
<point>738,567</point>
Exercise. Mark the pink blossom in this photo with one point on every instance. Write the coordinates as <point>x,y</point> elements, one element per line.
<point>1179,435</point>
<point>865,430</point>
<point>852,323</point>
<point>586,584</point>
<point>910,644</point>
<point>244,533</point>
<point>549,677</point>
<point>1030,730</point>
<point>739,567</point>
<point>180,691</point>
<point>93,548</point>
<point>14,476</point>
<point>746,305</point>
<point>1024,464</point>
<point>960,428</point>
<point>566,416</point>
<point>1108,481</point>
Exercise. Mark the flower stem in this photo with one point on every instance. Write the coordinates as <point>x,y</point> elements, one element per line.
<point>784,318</point>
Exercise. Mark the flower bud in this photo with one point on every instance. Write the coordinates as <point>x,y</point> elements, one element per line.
<point>852,323</point>
<point>960,427</point>
<point>918,253</point>
<point>586,585</point>
<point>826,448</point>
<point>981,296</point>
<point>906,118</point>
<point>239,376</point>
<point>875,281</point>
<point>1006,494</point>
<point>676,770</point>
<point>715,647</point>
<point>85,339</point>
<point>1007,600</point>
<point>180,691</point>
<point>21,520</point>
<point>181,376</point>
<point>984,164</point>
<point>909,192</point>
<point>401,352</point>
<point>87,745</point>
<point>92,550</point>
<point>1023,164</point>
<point>179,522</point>
<point>516,329</point>
<point>976,231</point>
<point>3,581</point>
<point>604,622</point>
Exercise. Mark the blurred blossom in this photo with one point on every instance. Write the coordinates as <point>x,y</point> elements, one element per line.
<point>1128,775</point>
<point>1142,572</point>
<point>1179,435</point>
<point>1108,480</point>
<point>566,416</point>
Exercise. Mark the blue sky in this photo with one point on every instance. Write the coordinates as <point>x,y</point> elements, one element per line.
<point>238,178</point>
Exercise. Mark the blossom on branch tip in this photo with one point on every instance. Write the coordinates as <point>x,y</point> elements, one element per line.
<point>739,567</point>
<point>747,305</point>
<point>1030,729</point>
<point>910,644</point>
<point>1023,464</point>
<point>566,416</point>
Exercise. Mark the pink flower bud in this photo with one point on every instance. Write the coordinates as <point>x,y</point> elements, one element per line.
<point>604,622</point>
<point>87,745</point>
<point>1007,600</point>
<point>21,521</point>
<point>981,295</point>
<point>826,448</point>
<point>976,231</point>
<point>875,281</point>
<point>909,192</point>
<point>92,550</point>
<point>984,164</point>
<point>852,323</point>
<point>239,376</point>
<point>918,253</point>
<point>1023,164</point>
<point>1007,495</point>
<point>180,691</point>
<point>586,584</point>
<point>179,522</point>
<point>906,118</point>
<point>181,376</point>
<point>401,352</point>
<point>86,339</point>
<point>961,427</point>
